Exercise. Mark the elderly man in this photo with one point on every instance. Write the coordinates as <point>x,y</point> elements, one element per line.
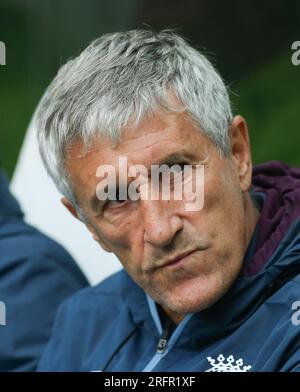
<point>203,289</point>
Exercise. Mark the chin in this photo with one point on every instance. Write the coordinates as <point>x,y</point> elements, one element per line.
<point>194,298</point>
<point>188,306</point>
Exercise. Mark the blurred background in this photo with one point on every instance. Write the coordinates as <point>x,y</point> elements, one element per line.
<point>249,41</point>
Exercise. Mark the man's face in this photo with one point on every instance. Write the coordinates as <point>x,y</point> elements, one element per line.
<point>185,260</point>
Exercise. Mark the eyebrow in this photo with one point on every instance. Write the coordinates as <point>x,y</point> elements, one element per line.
<point>96,204</point>
<point>174,158</point>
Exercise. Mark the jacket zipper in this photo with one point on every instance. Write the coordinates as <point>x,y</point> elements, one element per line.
<point>167,337</point>
<point>162,348</point>
<point>164,337</point>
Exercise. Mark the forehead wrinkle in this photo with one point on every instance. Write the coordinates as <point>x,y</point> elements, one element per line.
<point>148,126</point>
<point>168,123</point>
<point>147,147</point>
<point>169,134</point>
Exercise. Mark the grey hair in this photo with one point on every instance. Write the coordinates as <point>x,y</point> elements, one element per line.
<point>122,76</point>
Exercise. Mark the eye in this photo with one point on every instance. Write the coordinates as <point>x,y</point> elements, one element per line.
<point>178,168</point>
<point>181,165</point>
<point>115,203</point>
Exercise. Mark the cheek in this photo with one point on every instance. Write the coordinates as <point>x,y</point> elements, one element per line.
<point>125,241</point>
<point>222,217</point>
<point>229,230</point>
<point>223,194</point>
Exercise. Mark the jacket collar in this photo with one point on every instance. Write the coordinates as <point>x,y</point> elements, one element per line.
<point>245,296</point>
<point>280,185</point>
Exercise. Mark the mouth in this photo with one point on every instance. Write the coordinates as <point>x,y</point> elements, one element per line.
<point>175,262</point>
<point>178,260</point>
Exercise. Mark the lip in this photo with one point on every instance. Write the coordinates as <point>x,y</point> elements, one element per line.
<point>177,260</point>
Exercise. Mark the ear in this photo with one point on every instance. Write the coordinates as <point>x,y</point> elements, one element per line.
<point>69,206</point>
<point>241,151</point>
<point>66,202</point>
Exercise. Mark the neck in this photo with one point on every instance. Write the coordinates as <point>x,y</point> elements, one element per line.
<point>175,317</point>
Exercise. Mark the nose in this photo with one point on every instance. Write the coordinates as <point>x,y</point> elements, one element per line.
<point>160,224</point>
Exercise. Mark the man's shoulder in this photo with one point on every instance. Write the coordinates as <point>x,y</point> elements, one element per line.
<point>114,286</point>
<point>115,297</point>
<point>23,245</point>
<point>36,276</point>
<point>93,308</point>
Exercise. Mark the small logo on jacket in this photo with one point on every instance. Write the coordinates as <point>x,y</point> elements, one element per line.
<point>230,365</point>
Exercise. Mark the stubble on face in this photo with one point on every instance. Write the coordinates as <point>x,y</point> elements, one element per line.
<point>218,234</point>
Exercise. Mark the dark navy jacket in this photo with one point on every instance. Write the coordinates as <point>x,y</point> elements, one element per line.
<point>115,326</point>
<point>36,275</point>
